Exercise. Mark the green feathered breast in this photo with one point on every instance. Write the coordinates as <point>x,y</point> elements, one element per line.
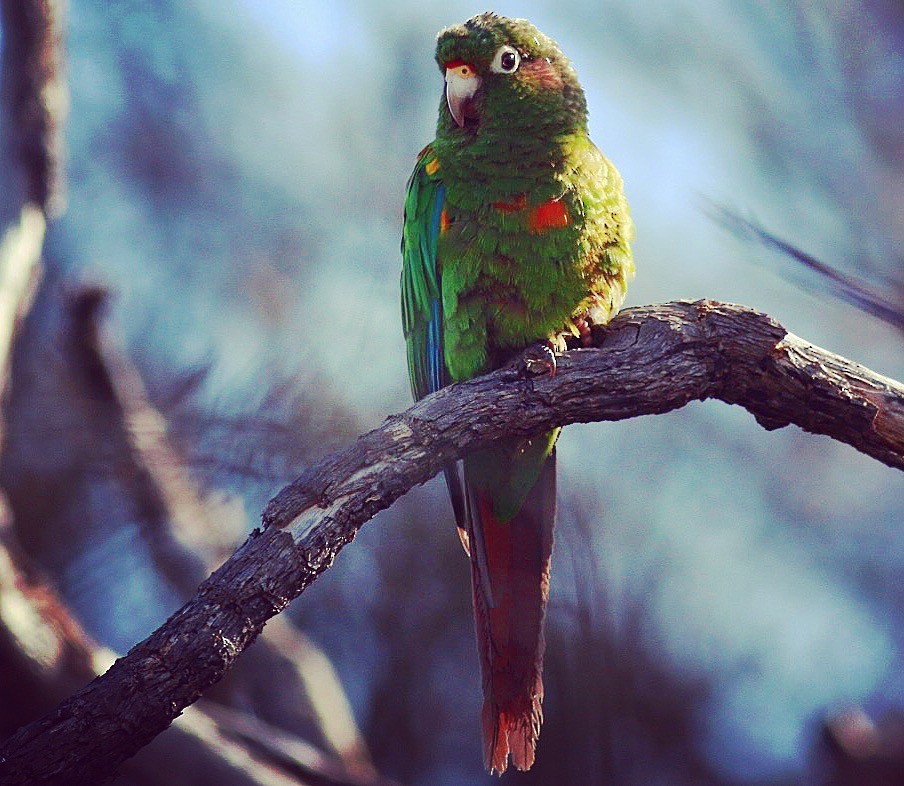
<point>508,278</point>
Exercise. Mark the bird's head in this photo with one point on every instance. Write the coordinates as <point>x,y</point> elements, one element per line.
<point>505,75</point>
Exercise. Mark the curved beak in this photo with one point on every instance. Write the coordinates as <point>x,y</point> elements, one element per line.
<point>461,85</point>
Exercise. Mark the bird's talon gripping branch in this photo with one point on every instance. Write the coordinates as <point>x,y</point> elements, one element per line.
<point>539,360</point>
<point>583,327</point>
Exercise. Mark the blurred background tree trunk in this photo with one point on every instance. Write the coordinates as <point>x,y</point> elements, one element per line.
<point>84,451</point>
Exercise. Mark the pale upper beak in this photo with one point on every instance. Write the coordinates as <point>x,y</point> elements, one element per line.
<point>461,84</point>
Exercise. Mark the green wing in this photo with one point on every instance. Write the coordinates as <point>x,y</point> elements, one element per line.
<point>422,306</point>
<point>422,318</point>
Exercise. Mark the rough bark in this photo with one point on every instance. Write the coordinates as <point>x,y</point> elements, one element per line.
<point>45,655</point>
<point>112,462</point>
<point>285,680</point>
<point>650,360</point>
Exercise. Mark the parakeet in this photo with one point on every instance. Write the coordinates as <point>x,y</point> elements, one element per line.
<point>516,233</point>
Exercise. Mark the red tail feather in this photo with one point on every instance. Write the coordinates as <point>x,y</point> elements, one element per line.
<point>510,622</point>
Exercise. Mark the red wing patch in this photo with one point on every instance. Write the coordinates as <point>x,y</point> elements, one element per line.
<point>549,215</point>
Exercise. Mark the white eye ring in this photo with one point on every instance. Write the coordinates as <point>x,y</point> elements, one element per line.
<point>506,60</point>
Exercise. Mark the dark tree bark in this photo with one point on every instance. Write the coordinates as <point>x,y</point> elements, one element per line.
<point>285,680</point>
<point>45,655</point>
<point>650,360</point>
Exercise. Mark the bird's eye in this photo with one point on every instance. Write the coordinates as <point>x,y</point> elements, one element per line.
<point>506,60</point>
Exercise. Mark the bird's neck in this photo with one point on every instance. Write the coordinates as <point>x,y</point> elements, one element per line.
<point>503,165</point>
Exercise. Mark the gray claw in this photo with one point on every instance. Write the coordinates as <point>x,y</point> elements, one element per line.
<point>540,359</point>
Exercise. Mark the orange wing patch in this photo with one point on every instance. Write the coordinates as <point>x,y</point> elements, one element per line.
<point>549,215</point>
<point>443,221</point>
<point>432,167</point>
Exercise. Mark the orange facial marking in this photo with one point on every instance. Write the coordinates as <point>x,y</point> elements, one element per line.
<point>542,73</point>
<point>461,68</point>
<point>549,215</point>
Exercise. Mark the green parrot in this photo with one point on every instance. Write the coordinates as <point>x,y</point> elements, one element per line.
<point>516,235</point>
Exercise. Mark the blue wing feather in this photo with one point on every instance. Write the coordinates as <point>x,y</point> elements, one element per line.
<point>435,346</point>
<point>422,316</point>
<point>422,305</point>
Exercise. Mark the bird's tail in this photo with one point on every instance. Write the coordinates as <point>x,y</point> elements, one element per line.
<point>510,562</point>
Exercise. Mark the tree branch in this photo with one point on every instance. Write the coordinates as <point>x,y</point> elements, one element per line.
<point>45,655</point>
<point>650,360</point>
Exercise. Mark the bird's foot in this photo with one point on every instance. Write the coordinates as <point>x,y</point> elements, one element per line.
<point>585,336</point>
<point>540,359</point>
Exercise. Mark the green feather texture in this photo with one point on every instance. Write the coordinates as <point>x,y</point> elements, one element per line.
<point>516,231</point>
<point>503,285</point>
<point>420,276</point>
